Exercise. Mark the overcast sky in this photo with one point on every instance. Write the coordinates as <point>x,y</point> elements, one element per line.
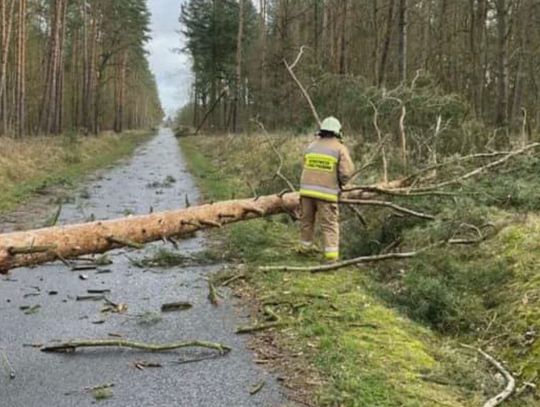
<point>172,70</point>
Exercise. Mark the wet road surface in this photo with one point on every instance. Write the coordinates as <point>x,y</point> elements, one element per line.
<point>132,187</point>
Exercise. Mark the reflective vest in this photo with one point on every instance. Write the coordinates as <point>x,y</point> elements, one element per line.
<point>327,164</point>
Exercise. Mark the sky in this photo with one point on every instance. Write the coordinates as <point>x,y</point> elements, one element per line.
<point>172,70</point>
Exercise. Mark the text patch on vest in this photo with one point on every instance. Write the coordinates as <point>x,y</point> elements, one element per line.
<point>319,162</point>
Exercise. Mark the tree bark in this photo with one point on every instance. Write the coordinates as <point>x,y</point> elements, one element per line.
<point>238,83</point>
<point>120,92</point>
<point>20,114</point>
<point>33,247</point>
<point>97,237</point>
<point>51,107</point>
<point>7,12</point>
<point>403,23</point>
<point>386,44</point>
<point>502,68</point>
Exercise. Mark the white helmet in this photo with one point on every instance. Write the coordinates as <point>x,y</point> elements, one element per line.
<point>332,125</point>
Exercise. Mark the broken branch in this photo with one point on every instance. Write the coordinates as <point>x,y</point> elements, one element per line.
<point>8,365</point>
<point>304,92</point>
<point>280,157</point>
<point>397,208</point>
<point>260,327</point>
<point>510,381</point>
<point>352,262</point>
<point>71,346</point>
<point>479,170</point>
<point>380,138</point>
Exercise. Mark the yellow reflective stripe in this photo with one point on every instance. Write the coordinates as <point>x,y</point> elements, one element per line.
<point>331,255</point>
<point>319,162</point>
<point>319,195</point>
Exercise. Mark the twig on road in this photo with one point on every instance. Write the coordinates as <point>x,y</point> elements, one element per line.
<point>8,365</point>
<point>71,346</point>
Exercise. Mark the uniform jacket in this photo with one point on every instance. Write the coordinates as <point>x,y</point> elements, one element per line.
<point>327,167</point>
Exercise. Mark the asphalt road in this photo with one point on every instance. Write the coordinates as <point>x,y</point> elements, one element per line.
<point>44,379</point>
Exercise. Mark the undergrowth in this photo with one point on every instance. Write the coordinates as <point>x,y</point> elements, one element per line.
<point>389,334</point>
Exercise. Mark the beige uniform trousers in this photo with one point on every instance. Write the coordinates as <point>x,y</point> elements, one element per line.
<point>327,215</point>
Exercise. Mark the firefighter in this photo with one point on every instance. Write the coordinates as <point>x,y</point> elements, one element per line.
<point>327,168</point>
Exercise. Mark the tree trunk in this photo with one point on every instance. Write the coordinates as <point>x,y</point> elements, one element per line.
<point>343,39</point>
<point>502,73</point>
<point>51,107</point>
<point>54,243</point>
<point>59,97</point>
<point>375,52</point>
<point>426,33</point>
<point>20,114</point>
<point>7,12</point>
<point>524,16</point>
<point>120,86</point>
<point>403,41</point>
<point>32,247</point>
<point>386,44</point>
<point>238,83</point>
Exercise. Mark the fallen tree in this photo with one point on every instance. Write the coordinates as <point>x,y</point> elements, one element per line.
<point>27,248</point>
<point>32,247</point>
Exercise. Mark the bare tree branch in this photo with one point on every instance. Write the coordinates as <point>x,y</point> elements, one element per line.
<point>304,91</point>
<point>293,65</point>
<point>71,346</point>
<point>346,263</point>
<point>276,151</point>
<point>380,138</point>
<point>397,208</point>
<point>479,170</point>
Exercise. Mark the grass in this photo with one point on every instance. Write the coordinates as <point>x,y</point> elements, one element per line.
<point>388,335</point>
<point>33,164</point>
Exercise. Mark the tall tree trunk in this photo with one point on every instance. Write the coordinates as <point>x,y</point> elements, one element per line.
<point>478,14</point>
<point>59,97</point>
<point>49,116</point>
<point>403,22</point>
<point>263,15</point>
<point>7,10</point>
<point>524,16</point>
<point>238,99</point>
<point>427,6</point>
<point>386,44</point>
<point>20,115</point>
<point>502,68</point>
<point>343,38</point>
<point>376,46</point>
<point>90,71</point>
<point>120,85</point>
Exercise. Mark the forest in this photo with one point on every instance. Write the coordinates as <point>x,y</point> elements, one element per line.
<point>472,61</point>
<point>75,65</point>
